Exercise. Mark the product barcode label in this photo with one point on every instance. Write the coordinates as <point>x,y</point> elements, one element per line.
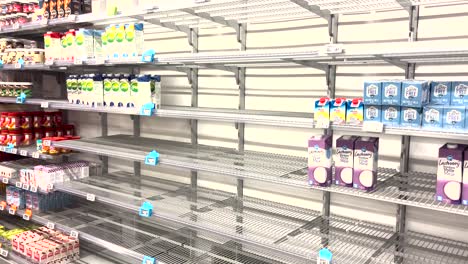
<point>26,217</point>
<point>26,187</point>
<point>45,104</point>
<point>19,185</point>
<point>24,153</point>
<point>11,211</point>
<point>5,180</point>
<point>91,197</point>
<point>50,225</point>
<point>74,234</point>
<point>35,155</point>
<point>33,189</point>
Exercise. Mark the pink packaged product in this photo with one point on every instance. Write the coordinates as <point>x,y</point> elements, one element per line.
<point>344,161</point>
<point>465,178</point>
<point>450,173</point>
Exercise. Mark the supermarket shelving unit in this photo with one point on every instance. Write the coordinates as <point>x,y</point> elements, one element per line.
<point>198,225</point>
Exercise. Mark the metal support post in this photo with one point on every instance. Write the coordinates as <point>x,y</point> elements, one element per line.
<point>331,84</point>
<point>104,132</point>
<point>136,133</point>
<point>410,72</point>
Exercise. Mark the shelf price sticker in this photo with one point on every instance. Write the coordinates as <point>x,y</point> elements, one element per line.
<point>21,99</point>
<point>19,185</point>
<point>36,155</point>
<point>45,105</point>
<point>50,225</point>
<point>148,56</point>
<point>4,253</point>
<point>147,109</point>
<point>74,234</point>
<point>5,180</point>
<point>91,197</point>
<point>12,211</point>
<point>27,215</point>
<point>3,205</point>
<point>372,126</point>
<point>19,64</point>
<point>14,151</point>
<point>24,153</point>
<point>50,187</point>
<point>152,158</point>
<point>148,260</point>
<point>26,187</point>
<point>146,209</point>
<point>33,189</point>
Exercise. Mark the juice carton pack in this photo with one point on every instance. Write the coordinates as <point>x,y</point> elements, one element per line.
<point>441,93</point>
<point>410,117</point>
<point>52,46</point>
<point>391,92</point>
<point>338,111</point>
<point>320,160</point>
<point>365,163</point>
<point>156,95</point>
<point>140,90</point>
<point>433,117</point>
<point>124,91</point>
<point>372,113</point>
<point>373,92</point>
<point>391,115</point>
<point>111,40</point>
<point>95,90</point>
<point>355,112</point>
<point>133,44</point>
<point>449,173</point>
<point>72,86</point>
<point>459,93</point>
<point>119,42</point>
<point>70,46</point>
<point>415,93</point>
<point>344,161</point>
<point>322,112</point>
<point>84,44</point>
<point>465,178</point>
<point>454,118</point>
<point>98,52</point>
<point>108,92</point>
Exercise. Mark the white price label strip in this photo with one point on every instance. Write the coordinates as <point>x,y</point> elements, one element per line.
<point>4,253</point>
<point>74,234</point>
<point>2,208</point>
<point>50,225</point>
<point>18,185</point>
<point>14,151</point>
<point>373,127</point>
<point>5,180</point>
<point>35,155</point>
<point>26,187</point>
<point>26,217</point>
<point>91,197</point>
<point>45,104</point>
<point>33,189</point>
<point>24,153</point>
<point>11,211</point>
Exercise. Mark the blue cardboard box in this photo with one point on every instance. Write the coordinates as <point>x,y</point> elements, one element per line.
<point>432,118</point>
<point>373,92</point>
<point>459,93</point>
<point>391,92</point>
<point>372,113</point>
<point>391,115</point>
<point>410,117</point>
<point>441,93</point>
<point>454,118</point>
<point>415,93</point>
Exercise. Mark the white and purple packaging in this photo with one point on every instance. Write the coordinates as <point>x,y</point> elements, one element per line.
<point>344,161</point>
<point>465,178</point>
<point>365,163</point>
<point>320,160</point>
<point>450,173</point>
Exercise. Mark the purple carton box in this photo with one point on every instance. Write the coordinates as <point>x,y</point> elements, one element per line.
<point>320,160</point>
<point>449,173</point>
<point>344,160</point>
<point>465,178</point>
<point>365,163</point>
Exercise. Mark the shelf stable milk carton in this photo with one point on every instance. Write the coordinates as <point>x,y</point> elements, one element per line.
<point>410,117</point>
<point>441,93</point>
<point>459,93</point>
<point>372,113</point>
<point>344,161</point>
<point>391,115</point>
<point>454,118</point>
<point>338,111</point>
<point>365,163</point>
<point>415,93</point>
<point>449,173</point>
<point>320,160</point>
<point>373,92</point>
<point>465,178</point>
<point>391,93</point>
<point>322,112</point>
<point>355,112</point>
<point>433,117</point>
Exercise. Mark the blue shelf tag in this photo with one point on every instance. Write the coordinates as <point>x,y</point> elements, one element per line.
<point>147,109</point>
<point>1,64</point>
<point>148,260</point>
<point>325,256</point>
<point>152,158</point>
<point>20,99</point>
<point>19,64</point>
<point>148,56</point>
<point>146,209</point>
<point>10,146</point>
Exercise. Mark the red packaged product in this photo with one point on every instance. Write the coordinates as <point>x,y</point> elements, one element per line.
<point>58,119</point>
<point>26,120</point>
<point>59,131</point>
<point>3,119</point>
<point>15,121</point>
<point>4,137</point>
<point>17,7</point>
<point>69,130</point>
<point>48,119</point>
<point>16,137</point>
<point>38,133</point>
<point>28,137</point>
<point>38,119</point>
<point>49,132</point>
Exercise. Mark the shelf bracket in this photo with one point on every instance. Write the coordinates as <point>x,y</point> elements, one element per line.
<point>311,64</point>
<point>391,241</point>
<point>394,62</point>
<point>169,25</point>
<point>215,19</point>
<point>404,5</point>
<point>314,9</point>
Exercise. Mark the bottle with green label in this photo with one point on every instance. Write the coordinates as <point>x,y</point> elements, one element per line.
<point>107,84</point>
<point>111,34</point>
<point>140,92</point>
